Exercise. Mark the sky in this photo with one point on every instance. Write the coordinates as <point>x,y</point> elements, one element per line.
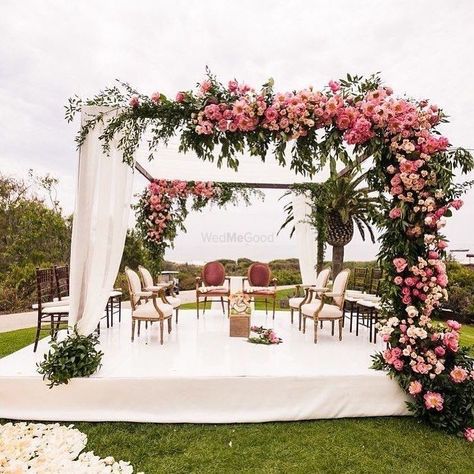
<point>51,50</point>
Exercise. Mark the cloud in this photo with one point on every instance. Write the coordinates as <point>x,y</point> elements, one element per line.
<point>50,50</point>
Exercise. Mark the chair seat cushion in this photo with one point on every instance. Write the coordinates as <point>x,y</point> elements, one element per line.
<point>174,301</point>
<point>328,311</point>
<point>214,289</point>
<point>295,302</point>
<point>270,290</point>
<point>64,309</point>
<point>148,310</point>
<point>115,293</point>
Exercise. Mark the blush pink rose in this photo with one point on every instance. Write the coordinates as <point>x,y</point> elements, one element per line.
<point>398,280</point>
<point>458,374</point>
<point>134,101</point>
<point>233,86</point>
<point>400,264</point>
<point>457,204</point>
<point>180,96</point>
<point>206,86</point>
<point>415,388</point>
<point>433,401</point>
<point>433,255</point>
<point>395,213</point>
<point>398,364</point>
<point>155,97</point>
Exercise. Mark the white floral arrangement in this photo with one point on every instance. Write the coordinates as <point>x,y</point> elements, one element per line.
<point>49,448</point>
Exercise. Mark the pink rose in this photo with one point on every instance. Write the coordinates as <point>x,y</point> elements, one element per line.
<point>155,97</point>
<point>469,434</point>
<point>410,281</point>
<point>415,388</point>
<point>271,114</point>
<point>180,96</point>
<point>406,300</point>
<point>334,86</point>
<point>442,244</point>
<point>398,364</point>
<point>457,204</point>
<point>206,86</point>
<point>451,341</point>
<point>403,328</point>
<point>433,400</point>
<point>233,86</point>
<point>432,255</point>
<point>453,324</point>
<point>395,213</point>
<point>134,101</point>
<point>439,351</point>
<point>442,280</point>
<point>400,264</point>
<point>398,280</point>
<point>458,374</point>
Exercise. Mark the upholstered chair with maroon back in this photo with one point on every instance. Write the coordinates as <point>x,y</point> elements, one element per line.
<point>210,286</point>
<point>260,284</point>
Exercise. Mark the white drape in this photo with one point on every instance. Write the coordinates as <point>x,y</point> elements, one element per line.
<point>305,238</point>
<point>104,189</point>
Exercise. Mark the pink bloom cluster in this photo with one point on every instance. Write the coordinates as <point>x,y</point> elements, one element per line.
<point>160,196</point>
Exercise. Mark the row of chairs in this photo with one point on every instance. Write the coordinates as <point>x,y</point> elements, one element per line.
<point>151,302</point>
<point>259,284</point>
<point>361,302</point>
<point>52,290</point>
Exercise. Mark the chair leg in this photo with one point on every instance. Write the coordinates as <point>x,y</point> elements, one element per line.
<point>274,306</point>
<point>370,325</point>
<point>291,313</point>
<point>197,305</point>
<point>120,308</point>
<point>38,330</point>
<point>138,328</point>
<point>299,320</point>
<point>315,331</point>
<point>340,328</point>
<point>321,324</point>
<point>161,331</point>
<point>222,304</point>
<point>266,306</point>
<point>177,310</point>
<point>304,324</point>
<point>352,316</point>
<point>170,320</point>
<point>133,329</point>
<point>228,306</point>
<point>357,321</point>
<point>107,314</point>
<point>332,328</point>
<point>205,304</point>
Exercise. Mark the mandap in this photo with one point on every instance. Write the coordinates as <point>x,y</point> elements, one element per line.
<point>411,165</point>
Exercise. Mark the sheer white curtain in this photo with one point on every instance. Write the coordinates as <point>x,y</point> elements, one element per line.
<point>103,195</point>
<point>305,238</point>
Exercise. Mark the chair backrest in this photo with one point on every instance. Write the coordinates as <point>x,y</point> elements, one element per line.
<point>359,278</point>
<point>322,278</point>
<point>45,285</point>
<point>213,274</point>
<point>259,274</point>
<point>374,281</point>
<point>339,286</point>
<point>62,281</point>
<point>134,286</point>
<point>146,276</point>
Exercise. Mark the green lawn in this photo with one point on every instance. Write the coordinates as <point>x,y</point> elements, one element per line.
<point>364,445</point>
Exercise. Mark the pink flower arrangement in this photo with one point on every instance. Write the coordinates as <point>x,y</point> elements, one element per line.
<point>469,434</point>
<point>415,388</point>
<point>395,213</point>
<point>458,374</point>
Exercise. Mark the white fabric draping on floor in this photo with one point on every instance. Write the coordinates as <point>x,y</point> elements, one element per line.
<point>104,188</point>
<point>305,238</point>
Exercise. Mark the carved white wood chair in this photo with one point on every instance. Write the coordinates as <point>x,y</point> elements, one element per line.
<point>297,301</point>
<point>322,309</point>
<point>143,309</point>
<point>167,289</point>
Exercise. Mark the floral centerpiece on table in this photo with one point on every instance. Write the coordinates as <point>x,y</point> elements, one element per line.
<point>264,336</point>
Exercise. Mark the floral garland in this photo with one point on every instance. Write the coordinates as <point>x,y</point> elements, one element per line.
<point>264,336</point>
<point>413,170</point>
<point>163,207</point>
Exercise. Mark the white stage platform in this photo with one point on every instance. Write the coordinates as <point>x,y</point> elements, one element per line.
<point>201,375</point>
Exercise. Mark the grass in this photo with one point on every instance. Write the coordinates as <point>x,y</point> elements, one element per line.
<point>360,445</point>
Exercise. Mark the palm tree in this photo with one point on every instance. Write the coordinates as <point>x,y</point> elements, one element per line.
<point>348,202</point>
<point>337,204</point>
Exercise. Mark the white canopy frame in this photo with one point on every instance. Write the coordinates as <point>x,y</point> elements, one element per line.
<point>103,198</point>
